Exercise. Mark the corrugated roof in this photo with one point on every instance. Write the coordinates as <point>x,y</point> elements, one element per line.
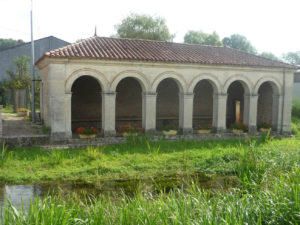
<point>160,51</point>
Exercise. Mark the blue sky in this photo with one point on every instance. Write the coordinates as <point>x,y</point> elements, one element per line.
<point>270,25</point>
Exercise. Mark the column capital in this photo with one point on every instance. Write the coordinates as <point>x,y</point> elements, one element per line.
<point>154,94</point>
<point>186,95</point>
<point>108,93</point>
<point>251,95</point>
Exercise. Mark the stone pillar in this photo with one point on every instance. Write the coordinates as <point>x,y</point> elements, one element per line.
<point>186,113</point>
<point>250,112</point>
<point>60,107</point>
<point>277,113</point>
<point>287,99</point>
<point>219,112</point>
<point>108,113</point>
<point>149,112</point>
<point>1,122</point>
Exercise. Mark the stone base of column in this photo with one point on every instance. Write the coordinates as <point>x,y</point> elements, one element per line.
<point>61,136</point>
<point>252,129</point>
<point>185,131</point>
<point>108,133</point>
<point>151,132</point>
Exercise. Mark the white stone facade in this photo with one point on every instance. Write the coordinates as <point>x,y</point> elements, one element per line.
<point>58,76</point>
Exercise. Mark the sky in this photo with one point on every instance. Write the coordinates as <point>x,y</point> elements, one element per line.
<point>270,25</point>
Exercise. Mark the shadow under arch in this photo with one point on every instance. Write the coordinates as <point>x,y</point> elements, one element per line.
<point>138,76</point>
<point>98,76</point>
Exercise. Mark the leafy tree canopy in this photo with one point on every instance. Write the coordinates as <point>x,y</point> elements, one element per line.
<point>199,37</point>
<point>292,57</point>
<point>269,55</point>
<point>19,77</point>
<point>239,42</point>
<point>6,43</point>
<point>144,27</point>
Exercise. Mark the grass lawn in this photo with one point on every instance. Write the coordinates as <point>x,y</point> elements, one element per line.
<point>268,172</point>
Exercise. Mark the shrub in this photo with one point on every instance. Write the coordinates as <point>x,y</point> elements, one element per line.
<point>239,126</point>
<point>130,128</point>
<point>87,130</point>
<point>264,125</point>
<point>203,127</point>
<point>170,127</point>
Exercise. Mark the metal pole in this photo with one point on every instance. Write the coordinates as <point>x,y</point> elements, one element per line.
<point>32,69</point>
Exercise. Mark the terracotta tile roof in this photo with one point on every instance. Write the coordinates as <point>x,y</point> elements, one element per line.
<point>159,51</point>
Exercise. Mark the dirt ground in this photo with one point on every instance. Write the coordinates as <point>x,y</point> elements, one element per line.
<point>19,126</point>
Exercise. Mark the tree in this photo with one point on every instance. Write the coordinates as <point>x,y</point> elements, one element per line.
<point>269,55</point>
<point>240,42</point>
<point>19,77</point>
<point>199,37</point>
<point>144,27</point>
<point>6,43</point>
<point>292,57</point>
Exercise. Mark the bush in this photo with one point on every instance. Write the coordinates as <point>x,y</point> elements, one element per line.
<point>296,109</point>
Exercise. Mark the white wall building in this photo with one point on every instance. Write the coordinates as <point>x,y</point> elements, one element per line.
<point>106,82</point>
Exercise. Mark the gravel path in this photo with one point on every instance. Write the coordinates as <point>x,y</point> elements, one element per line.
<point>18,126</point>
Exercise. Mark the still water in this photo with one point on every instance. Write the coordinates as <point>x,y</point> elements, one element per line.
<point>21,195</point>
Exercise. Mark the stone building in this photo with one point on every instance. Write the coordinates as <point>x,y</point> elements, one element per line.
<point>106,82</point>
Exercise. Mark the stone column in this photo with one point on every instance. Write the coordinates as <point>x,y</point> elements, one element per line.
<point>149,112</point>
<point>186,113</point>
<point>219,112</point>
<point>60,107</point>
<point>108,113</point>
<point>277,112</point>
<point>250,112</point>
<point>1,122</point>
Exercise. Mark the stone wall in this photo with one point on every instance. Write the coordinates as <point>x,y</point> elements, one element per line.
<point>265,104</point>
<point>128,102</point>
<point>203,104</point>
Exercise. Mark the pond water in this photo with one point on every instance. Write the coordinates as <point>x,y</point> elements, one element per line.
<point>20,195</point>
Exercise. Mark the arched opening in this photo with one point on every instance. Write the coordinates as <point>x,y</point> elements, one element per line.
<point>128,102</point>
<point>167,104</point>
<point>267,112</point>
<point>86,103</point>
<point>203,104</point>
<point>235,103</point>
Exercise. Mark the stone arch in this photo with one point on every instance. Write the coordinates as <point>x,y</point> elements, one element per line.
<point>277,89</point>
<point>210,78</point>
<point>178,78</point>
<point>246,83</point>
<point>86,72</point>
<point>140,77</point>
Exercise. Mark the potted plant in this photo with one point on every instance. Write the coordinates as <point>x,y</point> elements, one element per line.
<point>87,132</point>
<point>22,112</point>
<point>170,130</point>
<point>238,127</point>
<point>265,127</point>
<point>130,129</point>
<point>203,129</point>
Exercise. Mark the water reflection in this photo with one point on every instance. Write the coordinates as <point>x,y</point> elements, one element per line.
<point>20,195</point>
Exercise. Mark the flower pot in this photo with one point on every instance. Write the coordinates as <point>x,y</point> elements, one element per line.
<point>169,132</point>
<point>203,131</point>
<point>265,129</point>
<point>129,134</point>
<point>237,131</point>
<point>87,136</point>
